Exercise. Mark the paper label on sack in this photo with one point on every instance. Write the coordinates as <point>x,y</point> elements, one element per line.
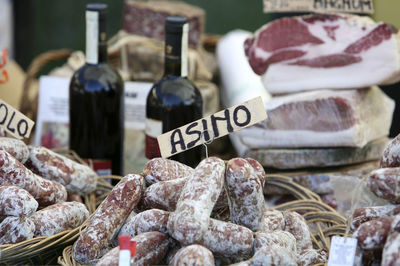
<point>342,251</point>
<point>14,122</point>
<point>349,6</point>
<point>212,127</point>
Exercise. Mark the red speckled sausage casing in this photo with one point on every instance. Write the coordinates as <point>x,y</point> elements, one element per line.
<point>193,255</point>
<point>59,217</point>
<point>13,172</point>
<point>15,147</point>
<point>244,185</point>
<point>161,169</point>
<point>189,221</point>
<point>76,177</point>
<point>16,201</point>
<point>108,218</point>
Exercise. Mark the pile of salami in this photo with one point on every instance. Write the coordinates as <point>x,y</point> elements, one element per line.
<point>36,185</point>
<point>172,212</point>
<point>377,228</point>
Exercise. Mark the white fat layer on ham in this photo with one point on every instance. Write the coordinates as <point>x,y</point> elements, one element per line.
<point>379,65</point>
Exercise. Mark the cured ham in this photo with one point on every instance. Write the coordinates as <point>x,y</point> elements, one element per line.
<point>324,51</point>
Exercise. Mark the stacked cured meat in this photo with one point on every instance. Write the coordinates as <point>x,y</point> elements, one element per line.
<point>323,71</point>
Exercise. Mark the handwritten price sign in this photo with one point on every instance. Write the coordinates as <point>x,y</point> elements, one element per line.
<point>4,75</point>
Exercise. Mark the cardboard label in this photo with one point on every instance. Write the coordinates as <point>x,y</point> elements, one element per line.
<point>349,6</point>
<point>212,127</point>
<point>342,251</point>
<point>14,122</point>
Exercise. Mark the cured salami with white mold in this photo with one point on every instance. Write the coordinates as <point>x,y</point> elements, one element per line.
<point>391,154</point>
<point>272,220</point>
<point>161,169</point>
<point>270,255</point>
<point>189,221</point>
<point>165,194</point>
<point>391,250</point>
<point>385,183</point>
<point>280,238</point>
<point>227,240</point>
<point>16,229</point>
<point>373,234</point>
<point>193,255</point>
<point>13,172</point>
<point>59,217</point>
<point>312,256</point>
<point>76,177</point>
<point>365,214</point>
<point>244,185</point>
<point>94,241</point>
<point>297,226</point>
<point>151,247</point>
<point>146,221</point>
<point>15,201</point>
<point>15,147</point>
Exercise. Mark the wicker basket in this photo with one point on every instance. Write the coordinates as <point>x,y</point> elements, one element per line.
<point>323,218</point>
<point>45,250</point>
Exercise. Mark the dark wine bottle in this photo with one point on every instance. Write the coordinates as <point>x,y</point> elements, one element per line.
<point>174,100</point>
<point>96,101</point>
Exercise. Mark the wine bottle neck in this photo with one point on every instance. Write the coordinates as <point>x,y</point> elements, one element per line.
<point>176,53</point>
<point>96,38</point>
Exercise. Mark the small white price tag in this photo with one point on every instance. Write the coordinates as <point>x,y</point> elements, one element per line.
<point>342,251</point>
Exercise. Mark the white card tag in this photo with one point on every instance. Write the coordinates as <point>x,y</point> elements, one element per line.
<point>14,122</point>
<point>342,251</point>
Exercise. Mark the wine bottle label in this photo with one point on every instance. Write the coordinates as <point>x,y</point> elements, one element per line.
<point>184,51</point>
<point>101,167</point>
<point>153,127</point>
<point>92,37</point>
<point>153,130</point>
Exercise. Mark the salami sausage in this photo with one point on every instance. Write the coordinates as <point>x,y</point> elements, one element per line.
<point>15,201</point>
<point>391,154</point>
<point>94,241</point>
<point>385,183</point>
<point>312,256</point>
<point>76,177</point>
<point>373,234</point>
<point>226,239</point>
<point>297,226</point>
<point>13,172</point>
<point>272,220</point>
<point>16,229</point>
<point>391,250</point>
<point>245,186</point>
<point>281,238</point>
<point>189,221</point>
<point>165,194</point>
<point>161,169</point>
<point>365,214</point>
<point>151,247</point>
<point>195,255</point>
<point>15,147</point>
<point>270,255</point>
<point>146,221</point>
<point>59,217</point>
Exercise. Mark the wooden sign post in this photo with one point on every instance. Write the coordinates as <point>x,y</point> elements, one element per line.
<point>212,127</point>
<point>14,122</point>
<point>350,6</point>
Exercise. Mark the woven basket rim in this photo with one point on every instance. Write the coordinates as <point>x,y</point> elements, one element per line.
<point>328,220</point>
